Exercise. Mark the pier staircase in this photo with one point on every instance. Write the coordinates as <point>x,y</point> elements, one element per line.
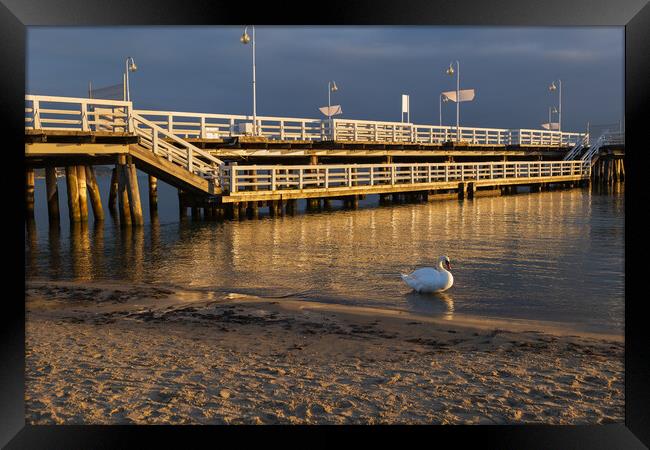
<point>577,149</point>
<point>174,160</point>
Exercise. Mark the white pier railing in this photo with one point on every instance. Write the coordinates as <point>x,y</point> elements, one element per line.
<point>281,178</point>
<point>215,126</point>
<point>364,130</point>
<point>68,113</point>
<point>77,114</point>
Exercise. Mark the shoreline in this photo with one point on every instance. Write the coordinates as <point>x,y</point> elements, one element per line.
<point>461,320</point>
<point>134,353</point>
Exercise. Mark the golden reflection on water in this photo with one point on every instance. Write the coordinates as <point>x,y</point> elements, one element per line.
<point>535,253</point>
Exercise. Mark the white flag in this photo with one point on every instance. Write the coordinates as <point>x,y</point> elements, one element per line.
<point>466,95</point>
<point>331,110</point>
<point>405,104</point>
<point>551,126</point>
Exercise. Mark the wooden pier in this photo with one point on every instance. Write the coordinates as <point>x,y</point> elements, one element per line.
<point>221,173</point>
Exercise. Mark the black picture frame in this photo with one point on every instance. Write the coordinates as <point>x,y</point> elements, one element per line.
<point>634,15</point>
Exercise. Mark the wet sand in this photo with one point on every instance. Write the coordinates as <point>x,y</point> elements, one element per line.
<point>110,353</point>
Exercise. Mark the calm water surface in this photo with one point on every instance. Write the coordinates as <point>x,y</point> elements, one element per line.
<point>544,256</point>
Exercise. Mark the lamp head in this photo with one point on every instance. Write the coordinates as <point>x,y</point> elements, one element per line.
<point>450,70</point>
<point>131,65</point>
<point>445,99</point>
<point>334,88</point>
<point>245,38</point>
<point>552,87</point>
<point>554,110</point>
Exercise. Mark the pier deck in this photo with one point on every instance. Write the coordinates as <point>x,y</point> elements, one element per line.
<point>211,163</point>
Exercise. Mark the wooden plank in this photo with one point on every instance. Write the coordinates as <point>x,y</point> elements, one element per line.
<point>52,149</point>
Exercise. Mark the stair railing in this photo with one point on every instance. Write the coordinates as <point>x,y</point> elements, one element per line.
<point>178,151</point>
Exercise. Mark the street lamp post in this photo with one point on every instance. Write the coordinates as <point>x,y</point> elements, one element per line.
<point>552,88</point>
<point>245,39</point>
<point>130,67</point>
<point>551,110</point>
<point>450,72</point>
<point>443,99</point>
<point>331,87</point>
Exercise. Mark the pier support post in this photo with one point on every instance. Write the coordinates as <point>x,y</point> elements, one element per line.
<point>234,210</point>
<point>122,194</point>
<point>182,205</point>
<point>83,193</point>
<point>242,210</point>
<point>471,189</point>
<point>461,191</point>
<point>327,204</point>
<point>112,194</point>
<point>73,194</point>
<point>252,212</point>
<point>29,194</point>
<point>153,196</point>
<point>290,206</point>
<point>273,208</point>
<point>196,212</point>
<point>352,202</point>
<point>52,191</point>
<point>95,196</point>
<point>134,195</point>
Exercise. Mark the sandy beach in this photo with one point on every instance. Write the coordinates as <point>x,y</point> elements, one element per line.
<point>111,353</point>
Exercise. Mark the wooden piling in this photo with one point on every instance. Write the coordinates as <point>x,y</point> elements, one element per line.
<point>273,208</point>
<point>461,191</point>
<point>52,190</point>
<point>234,213</point>
<point>153,196</point>
<point>182,204</point>
<point>123,195</point>
<point>252,211</point>
<point>471,189</point>
<point>291,205</point>
<point>29,193</point>
<point>83,193</point>
<point>135,206</point>
<point>73,194</point>
<point>112,195</point>
<point>95,196</point>
<point>243,206</point>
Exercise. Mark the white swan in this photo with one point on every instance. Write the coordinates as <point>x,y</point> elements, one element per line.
<point>429,280</point>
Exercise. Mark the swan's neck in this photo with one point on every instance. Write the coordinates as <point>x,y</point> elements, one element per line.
<point>441,267</point>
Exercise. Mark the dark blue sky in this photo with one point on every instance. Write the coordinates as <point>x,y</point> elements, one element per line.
<point>207,69</point>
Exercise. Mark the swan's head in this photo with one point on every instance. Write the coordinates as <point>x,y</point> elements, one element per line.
<point>444,260</point>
